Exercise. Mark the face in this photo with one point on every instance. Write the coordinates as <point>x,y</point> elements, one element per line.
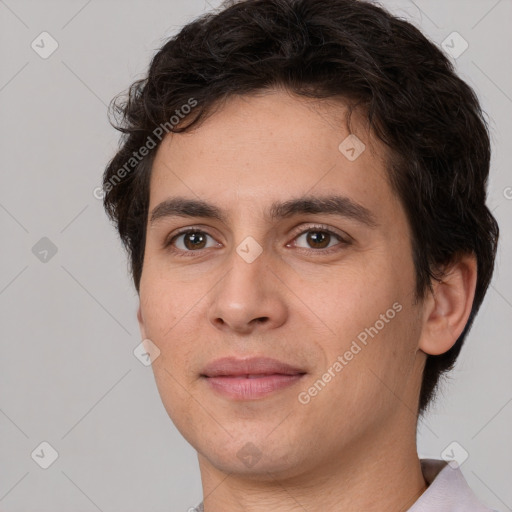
<point>327,288</point>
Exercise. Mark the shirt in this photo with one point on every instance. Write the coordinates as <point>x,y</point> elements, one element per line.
<point>447,490</point>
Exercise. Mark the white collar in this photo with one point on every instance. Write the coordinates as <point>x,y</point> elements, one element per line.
<point>447,490</point>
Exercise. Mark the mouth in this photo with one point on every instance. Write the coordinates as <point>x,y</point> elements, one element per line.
<point>250,379</point>
<point>256,376</point>
<point>251,366</point>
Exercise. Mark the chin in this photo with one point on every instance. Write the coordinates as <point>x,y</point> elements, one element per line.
<point>261,461</point>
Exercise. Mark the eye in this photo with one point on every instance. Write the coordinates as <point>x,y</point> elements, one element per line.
<point>190,240</point>
<point>319,238</point>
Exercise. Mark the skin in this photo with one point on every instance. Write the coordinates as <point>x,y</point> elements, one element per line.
<point>353,446</point>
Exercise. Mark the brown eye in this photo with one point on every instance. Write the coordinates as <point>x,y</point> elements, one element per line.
<point>318,239</point>
<point>194,240</point>
<point>190,241</point>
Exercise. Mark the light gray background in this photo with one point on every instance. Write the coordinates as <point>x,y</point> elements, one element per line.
<point>68,375</point>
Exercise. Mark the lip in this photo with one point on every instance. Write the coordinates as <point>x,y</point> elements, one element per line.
<point>250,378</point>
<point>235,367</point>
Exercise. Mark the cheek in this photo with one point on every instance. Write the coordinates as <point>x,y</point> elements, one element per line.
<point>359,298</point>
<point>170,324</point>
<point>376,361</point>
<point>371,318</point>
<point>166,304</point>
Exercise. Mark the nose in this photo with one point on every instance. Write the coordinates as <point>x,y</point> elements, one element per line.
<point>249,297</point>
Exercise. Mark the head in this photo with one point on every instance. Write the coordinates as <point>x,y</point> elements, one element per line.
<point>243,113</point>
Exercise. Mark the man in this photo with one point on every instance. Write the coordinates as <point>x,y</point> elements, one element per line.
<point>301,188</point>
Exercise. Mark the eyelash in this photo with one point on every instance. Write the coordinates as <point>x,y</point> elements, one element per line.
<point>168,244</point>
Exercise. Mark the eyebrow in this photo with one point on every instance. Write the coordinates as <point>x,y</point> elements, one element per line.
<point>334,204</point>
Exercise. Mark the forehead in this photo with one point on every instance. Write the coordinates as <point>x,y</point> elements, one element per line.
<point>272,147</point>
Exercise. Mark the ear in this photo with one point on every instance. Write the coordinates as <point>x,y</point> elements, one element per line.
<point>141,323</point>
<point>447,309</point>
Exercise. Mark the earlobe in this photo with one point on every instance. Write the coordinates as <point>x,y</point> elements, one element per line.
<point>447,310</point>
